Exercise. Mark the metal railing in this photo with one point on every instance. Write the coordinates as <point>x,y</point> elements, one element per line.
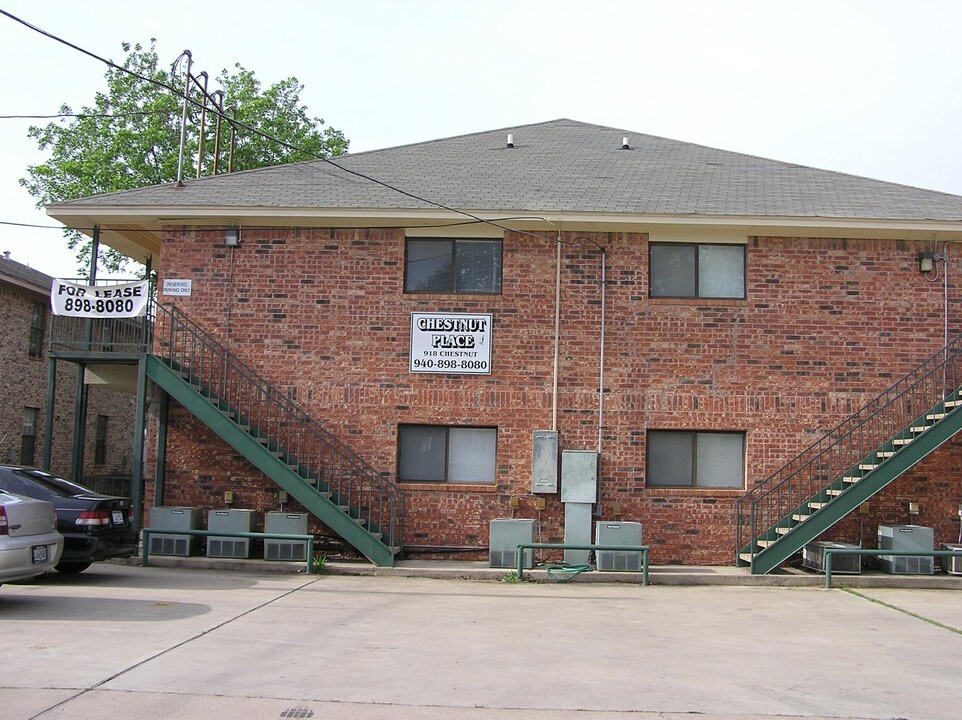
<point>643,549</point>
<point>829,552</point>
<point>268,414</point>
<point>849,443</point>
<point>106,335</point>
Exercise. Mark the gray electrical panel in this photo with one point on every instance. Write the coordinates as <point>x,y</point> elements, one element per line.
<point>544,461</point>
<point>906,537</point>
<point>577,531</point>
<point>618,533</point>
<point>505,536</point>
<point>230,520</point>
<point>813,557</point>
<point>174,518</point>
<point>285,523</point>
<point>579,477</point>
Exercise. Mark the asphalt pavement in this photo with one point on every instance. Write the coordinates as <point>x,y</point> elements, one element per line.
<point>159,642</point>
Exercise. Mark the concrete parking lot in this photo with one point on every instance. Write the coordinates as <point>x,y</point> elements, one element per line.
<point>132,642</point>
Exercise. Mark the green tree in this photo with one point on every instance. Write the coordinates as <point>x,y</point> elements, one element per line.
<point>130,136</point>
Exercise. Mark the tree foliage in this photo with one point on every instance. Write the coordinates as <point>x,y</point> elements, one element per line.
<point>130,136</point>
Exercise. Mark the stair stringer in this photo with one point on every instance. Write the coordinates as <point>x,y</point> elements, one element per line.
<point>838,507</point>
<point>264,460</point>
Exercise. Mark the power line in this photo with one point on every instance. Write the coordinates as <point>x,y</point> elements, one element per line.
<point>282,143</point>
<point>86,115</point>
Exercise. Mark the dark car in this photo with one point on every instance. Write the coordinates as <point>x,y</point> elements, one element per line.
<point>94,526</point>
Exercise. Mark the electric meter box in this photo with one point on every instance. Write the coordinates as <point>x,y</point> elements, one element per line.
<point>544,461</point>
<point>579,477</point>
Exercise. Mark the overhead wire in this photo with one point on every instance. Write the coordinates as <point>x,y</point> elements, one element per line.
<point>238,123</point>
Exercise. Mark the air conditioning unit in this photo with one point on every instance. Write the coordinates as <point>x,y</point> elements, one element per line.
<point>906,537</point>
<point>285,523</point>
<point>174,518</point>
<point>952,565</point>
<point>618,533</point>
<point>505,536</point>
<point>813,557</point>
<point>230,521</point>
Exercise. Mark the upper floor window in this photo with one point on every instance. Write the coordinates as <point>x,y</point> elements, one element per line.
<point>452,266</point>
<point>682,270</point>
<point>38,315</point>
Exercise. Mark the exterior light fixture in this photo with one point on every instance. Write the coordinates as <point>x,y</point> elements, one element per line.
<point>232,237</point>
<point>927,261</point>
<point>913,508</point>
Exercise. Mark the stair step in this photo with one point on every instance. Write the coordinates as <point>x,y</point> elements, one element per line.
<point>817,505</point>
<point>783,530</point>
<point>935,416</point>
<point>833,492</point>
<point>885,454</point>
<point>745,557</point>
<point>851,478</point>
<point>953,403</point>
<point>902,442</point>
<point>764,543</point>
<point>799,517</point>
<point>918,429</point>
<point>867,466</point>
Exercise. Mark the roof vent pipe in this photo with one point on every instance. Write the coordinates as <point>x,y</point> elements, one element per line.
<point>510,140</point>
<point>624,144</point>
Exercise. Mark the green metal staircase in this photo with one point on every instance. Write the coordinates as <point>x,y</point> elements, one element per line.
<point>851,463</point>
<point>276,436</point>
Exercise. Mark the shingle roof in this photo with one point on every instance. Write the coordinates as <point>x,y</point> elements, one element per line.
<point>15,273</point>
<point>558,166</point>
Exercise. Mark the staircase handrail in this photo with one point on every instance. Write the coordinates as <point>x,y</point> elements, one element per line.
<point>847,443</point>
<point>270,412</point>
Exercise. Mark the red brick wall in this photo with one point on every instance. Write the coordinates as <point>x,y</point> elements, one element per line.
<point>827,325</point>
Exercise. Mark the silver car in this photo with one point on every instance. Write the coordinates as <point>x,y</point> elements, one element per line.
<point>29,542</point>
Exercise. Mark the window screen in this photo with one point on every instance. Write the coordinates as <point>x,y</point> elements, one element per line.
<point>429,453</point>
<point>696,459</point>
<point>706,271</point>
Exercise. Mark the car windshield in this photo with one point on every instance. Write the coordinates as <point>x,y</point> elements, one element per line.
<point>52,483</point>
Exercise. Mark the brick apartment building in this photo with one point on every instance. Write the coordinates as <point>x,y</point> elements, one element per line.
<point>24,323</point>
<point>708,323</point>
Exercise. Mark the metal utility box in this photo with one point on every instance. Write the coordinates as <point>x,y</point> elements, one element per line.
<point>285,523</point>
<point>505,535</point>
<point>229,520</point>
<point>906,537</point>
<point>174,518</point>
<point>618,533</point>
<point>544,461</point>
<point>813,557</point>
<point>579,477</point>
<point>952,565</point>
<point>577,531</point>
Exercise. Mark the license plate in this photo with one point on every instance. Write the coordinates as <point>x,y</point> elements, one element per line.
<point>39,553</point>
<point>118,517</point>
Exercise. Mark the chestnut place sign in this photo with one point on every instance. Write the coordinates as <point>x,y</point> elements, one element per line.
<point>450,343</point>
<point>98,301</point>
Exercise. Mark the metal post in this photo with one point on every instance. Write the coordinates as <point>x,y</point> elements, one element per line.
<point>137,479</point>
<point>183,119</point>
<point>48,418</point>
<point>161,469</point>
<point>203,119</point>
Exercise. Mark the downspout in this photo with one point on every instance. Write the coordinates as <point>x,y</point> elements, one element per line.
<point>601,361</point>
<point>557,335</point>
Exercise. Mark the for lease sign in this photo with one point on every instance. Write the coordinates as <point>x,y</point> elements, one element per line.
<point>450,343</point>
<point>98,301</point>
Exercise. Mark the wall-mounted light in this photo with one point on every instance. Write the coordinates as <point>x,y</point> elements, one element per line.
<point>913,508</point>
<point>232,237</point>
<point>228,497</point>
<point>927,261</point>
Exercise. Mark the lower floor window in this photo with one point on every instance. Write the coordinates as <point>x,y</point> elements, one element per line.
<point>696,459</point>
<point>437,453</point>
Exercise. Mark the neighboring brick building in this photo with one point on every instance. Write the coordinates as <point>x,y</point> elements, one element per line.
<point>748,307</point>
<point>24,321</point>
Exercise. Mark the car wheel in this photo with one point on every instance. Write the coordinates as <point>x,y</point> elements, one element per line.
<point>72,568</point>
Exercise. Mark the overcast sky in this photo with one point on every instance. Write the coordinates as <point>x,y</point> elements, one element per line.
<point>869,87</point>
